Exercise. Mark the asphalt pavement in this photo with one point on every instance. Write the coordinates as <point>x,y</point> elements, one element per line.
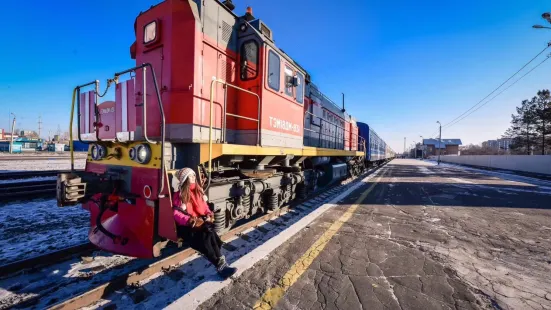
<point>414,236</point>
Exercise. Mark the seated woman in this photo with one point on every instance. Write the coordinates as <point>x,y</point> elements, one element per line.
<point>194,221</point>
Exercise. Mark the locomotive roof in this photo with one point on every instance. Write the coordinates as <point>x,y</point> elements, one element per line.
<point>272,45</point>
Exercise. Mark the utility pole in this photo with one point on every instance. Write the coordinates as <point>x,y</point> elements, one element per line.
<point>39,125</point>
<point>439,141</point>
<point>58,133</point>
<point>404,147</point>
<point>12,132</point>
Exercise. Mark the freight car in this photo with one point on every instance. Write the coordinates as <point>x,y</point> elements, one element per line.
<point>210,91</point>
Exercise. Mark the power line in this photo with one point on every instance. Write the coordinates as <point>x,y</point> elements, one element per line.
<point>511,85</point>
<point>462,116</point>
<point>493,91</point>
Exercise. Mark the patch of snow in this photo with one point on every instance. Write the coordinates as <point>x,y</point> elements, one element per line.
<point>461,181</point>
<point>424,170</point>
<point>37,227</point>
<point>434,220</point>
<point>40,164</point>
<point>65,280</point>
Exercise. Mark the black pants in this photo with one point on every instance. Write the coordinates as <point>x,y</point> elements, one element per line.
<point>204,240</point>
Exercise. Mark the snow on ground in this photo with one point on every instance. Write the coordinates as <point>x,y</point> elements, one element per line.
<point>7,166</point>
<point>424,170</point>
<point>37,227</point>
<point>65,280</point>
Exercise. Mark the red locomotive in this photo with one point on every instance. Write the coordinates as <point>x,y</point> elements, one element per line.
<point>210,91</point>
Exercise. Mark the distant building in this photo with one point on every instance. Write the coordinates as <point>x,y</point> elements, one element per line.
<point>7,136</point>
<point>21,145</point>
<point>499,144</point>
<point>446,147</point>
<point>56,147</point>
<point>504,143</point>
<point>493,144</point>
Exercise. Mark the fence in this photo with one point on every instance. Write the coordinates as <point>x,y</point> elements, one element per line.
<point>526,163</point>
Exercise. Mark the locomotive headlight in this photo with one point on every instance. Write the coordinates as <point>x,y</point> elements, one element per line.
<point>98,151</point>
<point>143,153</point>
<point>150,32</point>
<point>132,153</point>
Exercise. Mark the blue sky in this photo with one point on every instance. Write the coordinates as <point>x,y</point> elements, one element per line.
<point>403,65</point>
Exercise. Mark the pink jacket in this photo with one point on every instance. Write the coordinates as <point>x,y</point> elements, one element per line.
<point>196,207</point>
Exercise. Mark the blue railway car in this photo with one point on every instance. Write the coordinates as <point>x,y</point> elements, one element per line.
<point>377,149</point>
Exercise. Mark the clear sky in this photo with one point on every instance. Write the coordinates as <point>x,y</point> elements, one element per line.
<point>402,64</point>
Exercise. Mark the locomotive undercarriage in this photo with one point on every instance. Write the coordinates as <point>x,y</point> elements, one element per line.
<point>251,186</point>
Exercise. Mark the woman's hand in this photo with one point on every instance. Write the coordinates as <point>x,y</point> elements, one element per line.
<point>198,222</point>
<point>210,218</point>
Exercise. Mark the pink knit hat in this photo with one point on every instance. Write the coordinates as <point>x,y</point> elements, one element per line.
<point>182,175</point>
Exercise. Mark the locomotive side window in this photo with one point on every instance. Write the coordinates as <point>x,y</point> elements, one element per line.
<point>249,60</point>
<point>300,87</point>
<point>274,69</point>
<point>288,81</point>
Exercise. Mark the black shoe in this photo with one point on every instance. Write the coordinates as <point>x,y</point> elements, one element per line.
<point>227,271</point>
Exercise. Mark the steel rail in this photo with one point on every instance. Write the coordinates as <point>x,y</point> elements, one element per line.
<point>29,174</point>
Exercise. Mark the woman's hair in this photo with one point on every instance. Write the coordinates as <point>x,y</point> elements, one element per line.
<point>185,190</point>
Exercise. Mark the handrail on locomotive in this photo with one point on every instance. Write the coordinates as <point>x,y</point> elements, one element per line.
<point>361,140</point>
<point>76,93</point>
<point>257,120</point>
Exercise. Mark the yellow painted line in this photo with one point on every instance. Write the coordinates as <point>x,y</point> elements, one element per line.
<point>273,295</point>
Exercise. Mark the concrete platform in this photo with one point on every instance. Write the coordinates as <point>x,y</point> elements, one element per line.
<point>416,236</point>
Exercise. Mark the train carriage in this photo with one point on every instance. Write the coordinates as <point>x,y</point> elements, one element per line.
<point>377,151</point>
<point>210,91</point>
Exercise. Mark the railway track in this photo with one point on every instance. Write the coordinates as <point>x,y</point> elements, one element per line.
<point>29,174</point>
<point>141,271</point>
<point>27,190</point>
<point>46,259</point>
<point>41,157</point>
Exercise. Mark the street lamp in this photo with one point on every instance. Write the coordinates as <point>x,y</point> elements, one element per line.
<point>439,141</point>
<point>547,17</point>
<point>540,27</point>
<point>12,131</point>
<point>422,147</point>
